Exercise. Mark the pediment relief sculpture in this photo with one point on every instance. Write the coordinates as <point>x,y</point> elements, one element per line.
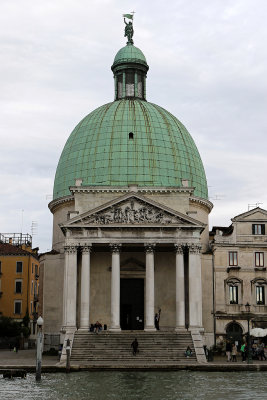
<point>133,211</point>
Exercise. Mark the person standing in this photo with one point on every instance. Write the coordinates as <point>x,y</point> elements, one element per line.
<point>234,352</point>
<point>228,350</point>
<point>134,345</point>
<point>243,352</point>
<point>157,321</point>
<point>261,352</point>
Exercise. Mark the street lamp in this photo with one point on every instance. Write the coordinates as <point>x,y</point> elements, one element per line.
<point>247,306</point>
<point>39,348</point>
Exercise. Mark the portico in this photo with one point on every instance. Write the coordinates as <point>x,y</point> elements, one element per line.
<point>132,227</point>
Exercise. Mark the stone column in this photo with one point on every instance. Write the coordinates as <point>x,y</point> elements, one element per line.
<point>115,288</point>
<point>150,296</point>
<point>144,88</point>
<point>70,288</point>
<point>135,84</point>
<point>180,295</point>
<point>123,84</point>
<point>85,288</point>
<point>195,287</point>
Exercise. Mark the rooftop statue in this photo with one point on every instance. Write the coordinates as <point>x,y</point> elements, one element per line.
<point>128,28</point>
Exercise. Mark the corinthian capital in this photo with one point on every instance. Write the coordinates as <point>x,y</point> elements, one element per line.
<point>179,248</point>
<point>194,248</point>
<point>86,249</point>
<point>115,247</point>
<point>70,249</point>
<point>150,247</point>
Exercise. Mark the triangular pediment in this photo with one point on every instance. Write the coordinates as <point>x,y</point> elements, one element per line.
<point>256,214</point>
<point>132,210</point>
<point>131,264</point>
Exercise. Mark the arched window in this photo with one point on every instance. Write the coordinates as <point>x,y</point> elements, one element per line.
<point>233,291</point>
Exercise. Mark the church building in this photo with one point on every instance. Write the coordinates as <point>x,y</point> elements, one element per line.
<point>130,219</point>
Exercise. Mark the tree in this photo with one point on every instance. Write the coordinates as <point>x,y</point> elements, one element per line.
<point>9,327</point>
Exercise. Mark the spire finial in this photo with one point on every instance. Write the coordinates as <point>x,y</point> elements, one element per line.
<point>128,31</point>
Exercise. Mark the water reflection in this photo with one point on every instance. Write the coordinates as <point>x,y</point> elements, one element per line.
<point>178,385</point>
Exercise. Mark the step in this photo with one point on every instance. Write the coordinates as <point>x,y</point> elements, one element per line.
<point>108,348</point>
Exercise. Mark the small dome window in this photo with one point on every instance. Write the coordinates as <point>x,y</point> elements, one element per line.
<point>131,135</point>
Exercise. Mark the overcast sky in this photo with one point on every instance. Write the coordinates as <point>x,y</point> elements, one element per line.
<point>208,66</point>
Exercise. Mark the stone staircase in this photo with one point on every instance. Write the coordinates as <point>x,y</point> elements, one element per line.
<point>113,349</point>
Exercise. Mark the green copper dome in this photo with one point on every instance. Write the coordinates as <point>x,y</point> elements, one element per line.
<point>130,142</point>
<point>129,54</point>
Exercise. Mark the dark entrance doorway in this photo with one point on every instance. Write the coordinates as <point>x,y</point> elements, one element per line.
<point>234,333</point>
<point>132,304</point>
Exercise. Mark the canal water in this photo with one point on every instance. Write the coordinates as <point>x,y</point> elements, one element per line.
<point>184,385</point>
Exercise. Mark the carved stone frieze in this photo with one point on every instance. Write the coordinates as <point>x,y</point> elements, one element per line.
<point>133,211</point>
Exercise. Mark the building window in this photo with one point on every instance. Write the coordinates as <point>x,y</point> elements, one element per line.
<point>18,286</point>
<point>260,295</point>
<point>233,291</point>
<point>19,267</point>
<point>32,268</point>
<point>131,135</point>
<point>233,294</point>
<point>258,229</point>
<point>233,258</point>
<point>129,83</point>
<point>259,259</point>
<point>17,307</point>
<point>0,267</point>
<point>140,86</point>
<point>31,307</point>
<point>119,86</point>
<point>32,288</point>
<point>36,270</point>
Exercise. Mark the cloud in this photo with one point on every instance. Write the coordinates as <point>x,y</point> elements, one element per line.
<point>207,66</point>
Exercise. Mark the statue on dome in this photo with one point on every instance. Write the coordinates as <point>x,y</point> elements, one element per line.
<point>128,29</point>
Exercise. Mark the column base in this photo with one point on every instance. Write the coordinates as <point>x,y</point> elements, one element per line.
<point>150,329</point>
<point>180,329</point>
<point>195,329</point>
<point>84,329</point>
<point>115,329</point>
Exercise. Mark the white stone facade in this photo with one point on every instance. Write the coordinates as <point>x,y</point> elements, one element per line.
<point>104,238</point>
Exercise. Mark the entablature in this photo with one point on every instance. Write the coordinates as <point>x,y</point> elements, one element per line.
<point>135,214</point>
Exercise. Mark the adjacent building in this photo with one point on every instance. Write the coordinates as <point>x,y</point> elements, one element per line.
<point>240,277</point>
<point>19,277</point>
